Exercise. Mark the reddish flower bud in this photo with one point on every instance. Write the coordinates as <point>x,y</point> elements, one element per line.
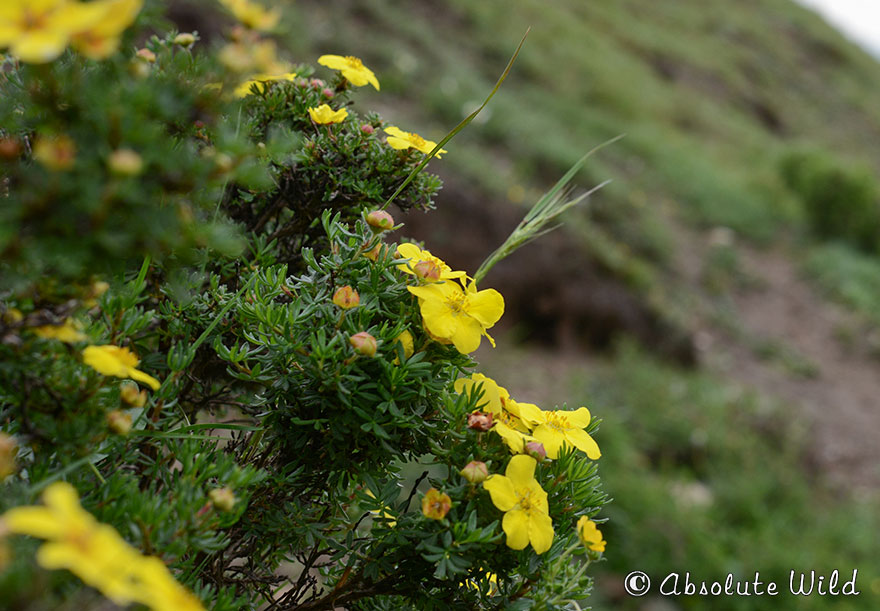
<point>327,92</point>
<point>316,83</point>
<point>346,298</point>
<point>428,271</point>
<point>10,148</point>
<point>380,220</point>
<point>536,450</point>
<point>222,498</point>
<point>436,504</point>
<point>479,421</point>
<point>146,55</point>
<point>367,128</point>
<point>475,472</point>
<point>363,343</point>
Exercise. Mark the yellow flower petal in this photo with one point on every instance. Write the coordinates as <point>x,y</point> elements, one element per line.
<point>516,526</point>
<point>540,531</point>
<point>33,521</point>
<point>486,306</point>
<point>521,470</point>
<point>579,418</point>
<point>501,491</point>
<point>580,439</point>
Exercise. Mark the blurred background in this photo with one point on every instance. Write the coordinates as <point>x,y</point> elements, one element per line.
<point>717,304</point>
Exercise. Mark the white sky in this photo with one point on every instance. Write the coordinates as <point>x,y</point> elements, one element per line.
<point>858,19</point>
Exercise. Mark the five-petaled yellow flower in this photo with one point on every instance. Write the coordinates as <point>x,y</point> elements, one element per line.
<point>524,503</point>
<point>461,316</point>
<point>590,535</point>
<point>555,428</point>
<point>418,256</point>
<point>352,68</point>
<point>115,361</point>
<point>509,418</point>
<point>399,139</point>
<point>96,553</point>
<point>324,115</point>
<point>259,81</point>
<point>253,15</point>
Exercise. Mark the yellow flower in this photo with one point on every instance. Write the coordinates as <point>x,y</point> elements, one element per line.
<point>590,535</point>
<point>260,80</point>
<point>253,15</point>
<point>555,428</point>
<point>115,361</point>
<point>96,553</point>
<point>111,17</point>
<point>399,139</point>
<point>68,332</point>
<point>323,114</point>
<point>436,504</point>
<point>459,315</point>
<point>509,418</point>
<point>418,256</point>
<point>524,503</point>
<point>37,31</point>
<point>352,68</point>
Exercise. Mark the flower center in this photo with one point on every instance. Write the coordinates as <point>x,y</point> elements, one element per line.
<point>557,421</point>
<point>525,499</point>
<point>354,63</point>
<point>417,140</point>
<point>457,303</point>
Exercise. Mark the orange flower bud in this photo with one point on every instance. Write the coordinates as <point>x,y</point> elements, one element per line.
<point>146,55</point>
<point>131,395</point>
<point>479,421</point>
<point>363,343</point>
<point>373,255</point>
<point>427,270</point>
<point>119,422</point>
<point>436,504</point>
<point>380,220</point>
<point>536,450</point>
<point>346,298</point>
<point>10,148</point>
<point>475,471</point>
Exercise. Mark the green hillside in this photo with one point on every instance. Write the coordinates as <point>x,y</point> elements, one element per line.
<point>737,244</point>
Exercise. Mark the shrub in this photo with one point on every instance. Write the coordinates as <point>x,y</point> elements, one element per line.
<point>841,200</point>
<point>216,368</point>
